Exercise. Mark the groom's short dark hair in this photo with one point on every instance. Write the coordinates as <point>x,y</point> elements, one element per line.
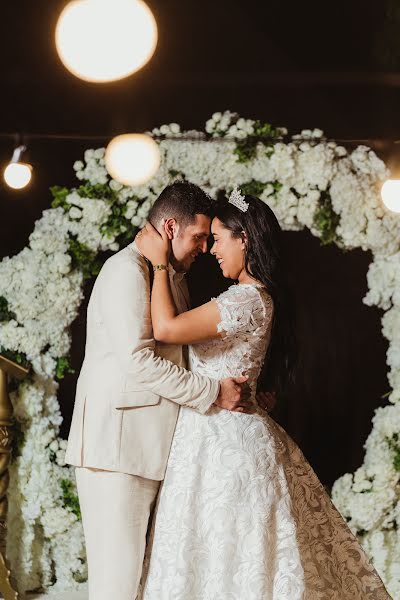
<point>181,200</point>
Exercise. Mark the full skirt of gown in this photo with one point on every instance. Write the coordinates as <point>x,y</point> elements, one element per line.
<point>242,516</point>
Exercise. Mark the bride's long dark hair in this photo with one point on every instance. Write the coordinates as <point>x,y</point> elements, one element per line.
<point>263,261</point>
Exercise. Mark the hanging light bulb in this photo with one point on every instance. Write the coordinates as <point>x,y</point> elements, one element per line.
<point>390,193</point>
<point>105,40</point>
<point>17,174</point>
<point>132,158</point>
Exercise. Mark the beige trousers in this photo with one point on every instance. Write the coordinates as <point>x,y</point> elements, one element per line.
<point>115,515</point>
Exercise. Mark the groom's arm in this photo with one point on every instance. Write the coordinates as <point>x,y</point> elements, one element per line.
<point>123,294</point>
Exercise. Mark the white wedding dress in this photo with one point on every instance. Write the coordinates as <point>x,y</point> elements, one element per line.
<point>241,515</point>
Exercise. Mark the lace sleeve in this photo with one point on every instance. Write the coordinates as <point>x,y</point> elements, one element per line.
<point>241,309</point>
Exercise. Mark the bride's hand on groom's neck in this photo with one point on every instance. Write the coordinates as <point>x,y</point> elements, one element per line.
<point>153,244</point>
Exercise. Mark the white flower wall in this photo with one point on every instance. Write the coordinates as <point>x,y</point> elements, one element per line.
<point>309,182</point>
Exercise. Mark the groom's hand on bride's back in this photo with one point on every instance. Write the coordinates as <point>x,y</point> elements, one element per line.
<point>267,400</point>
<point>234,395</point>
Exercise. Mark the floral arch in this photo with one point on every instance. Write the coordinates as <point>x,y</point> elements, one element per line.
<point>309,182</point>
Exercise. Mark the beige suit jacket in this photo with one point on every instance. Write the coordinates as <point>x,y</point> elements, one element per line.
<point>129,388</point>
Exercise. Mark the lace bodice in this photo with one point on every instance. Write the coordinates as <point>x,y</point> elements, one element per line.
<point>246,318</point>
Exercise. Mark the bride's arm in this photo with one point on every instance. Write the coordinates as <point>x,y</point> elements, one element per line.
<point>187,328</point>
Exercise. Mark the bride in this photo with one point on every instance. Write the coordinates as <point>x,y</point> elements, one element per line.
<point>241,514</point>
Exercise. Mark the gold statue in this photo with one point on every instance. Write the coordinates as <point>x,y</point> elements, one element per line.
<point>7,367</point>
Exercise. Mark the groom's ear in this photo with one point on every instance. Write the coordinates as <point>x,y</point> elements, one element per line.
<point>170,228</point>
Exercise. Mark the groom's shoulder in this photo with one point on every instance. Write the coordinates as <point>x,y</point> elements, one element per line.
<point>128,259</point>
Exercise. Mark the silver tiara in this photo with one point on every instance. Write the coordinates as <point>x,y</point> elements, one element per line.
<point>238,200</point>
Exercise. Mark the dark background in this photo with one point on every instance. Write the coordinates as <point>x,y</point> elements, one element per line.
<point>299,65</point>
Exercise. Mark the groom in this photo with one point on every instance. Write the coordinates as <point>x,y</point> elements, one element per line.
<point>128,396</point>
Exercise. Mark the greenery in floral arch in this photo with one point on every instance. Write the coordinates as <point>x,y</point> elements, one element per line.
<point>309,182</point>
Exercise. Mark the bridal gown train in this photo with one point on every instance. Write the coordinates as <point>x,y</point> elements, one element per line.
<point>241,514</point>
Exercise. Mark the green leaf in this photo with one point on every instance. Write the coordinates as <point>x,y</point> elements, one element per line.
<point>99,191</point>
<point>396,460</point>
<point>5,313</point>
<point>253,188</point>
<point>70,499</point>
<point>326,221</point>
<point>277,186</point>
<point>264,129</point>
<point>256,188</point>
<point>59,194</point>
<point>246,149</point>
<point>84,259</point>
<point>394,445</point>
<point>62,367</point>
<point>18,440</point>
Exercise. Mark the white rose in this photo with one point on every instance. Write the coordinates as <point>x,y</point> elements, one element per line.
<point>340,150</point>
<point>116,185</point>
<point>99,153</point>
<point>89,154</point>
<point>317,133</point>
<point>54,446</point>
<point>136,221</point>
<point>210,126</point>
<point>60,457</point>
<point>75,212</point>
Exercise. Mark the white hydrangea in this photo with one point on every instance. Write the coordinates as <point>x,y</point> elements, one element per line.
<point>220,123</point>
<point>306,208</point>
<point>171,130</point>
<point>93,214</point>
<point>57,520</point>
<point>316,165</point>
<point>94,170</point>
<point>283,163</point>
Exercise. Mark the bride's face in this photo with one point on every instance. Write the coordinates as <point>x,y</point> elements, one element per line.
<point>228,250</point>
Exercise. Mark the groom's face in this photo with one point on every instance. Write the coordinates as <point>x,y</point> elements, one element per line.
<point>189,241</point>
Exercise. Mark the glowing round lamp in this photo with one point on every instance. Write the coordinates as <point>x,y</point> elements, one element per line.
<point>390,193</point>
<point>133,158</point>
<point>105,40</point>
<point>17,175</point>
